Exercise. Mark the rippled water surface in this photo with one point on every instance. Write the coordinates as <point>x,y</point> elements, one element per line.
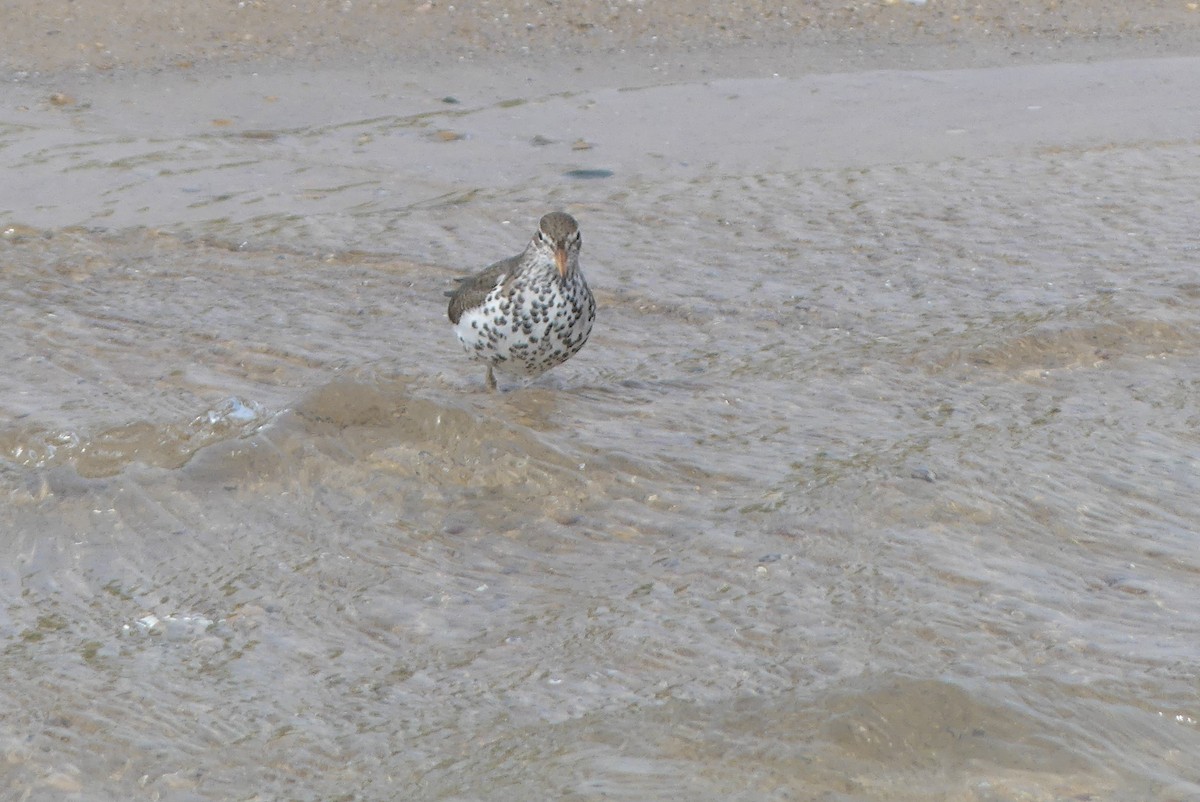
<point>877,480</point>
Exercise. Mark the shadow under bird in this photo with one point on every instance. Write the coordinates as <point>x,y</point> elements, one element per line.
<point>529,312</point>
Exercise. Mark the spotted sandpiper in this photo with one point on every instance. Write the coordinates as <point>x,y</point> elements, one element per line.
<point>525,314</point>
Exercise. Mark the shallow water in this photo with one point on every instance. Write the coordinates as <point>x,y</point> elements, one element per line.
<point>877,479</point>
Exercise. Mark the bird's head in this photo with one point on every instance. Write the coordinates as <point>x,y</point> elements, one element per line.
<point>558,234</point>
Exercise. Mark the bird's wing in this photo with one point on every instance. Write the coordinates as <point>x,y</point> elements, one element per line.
<point>472,290</point>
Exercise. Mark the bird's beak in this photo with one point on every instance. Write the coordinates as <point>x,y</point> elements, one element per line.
<point>560,257</point>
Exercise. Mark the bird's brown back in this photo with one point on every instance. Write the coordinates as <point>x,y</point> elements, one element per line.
<point>473,290</point>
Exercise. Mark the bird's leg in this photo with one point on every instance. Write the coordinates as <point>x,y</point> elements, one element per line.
<point>491,380</point>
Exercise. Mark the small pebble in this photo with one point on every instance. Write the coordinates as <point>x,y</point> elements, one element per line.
<point>924,473</point>
<point>588,173</point>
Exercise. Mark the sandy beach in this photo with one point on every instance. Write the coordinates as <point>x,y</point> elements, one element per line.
<point>875,482</point>
<point>56,37</point>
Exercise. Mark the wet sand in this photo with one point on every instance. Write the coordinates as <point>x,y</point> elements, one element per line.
<point>876,481</point>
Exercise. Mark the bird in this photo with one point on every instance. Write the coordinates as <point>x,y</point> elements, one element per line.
<point>527,313</point>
